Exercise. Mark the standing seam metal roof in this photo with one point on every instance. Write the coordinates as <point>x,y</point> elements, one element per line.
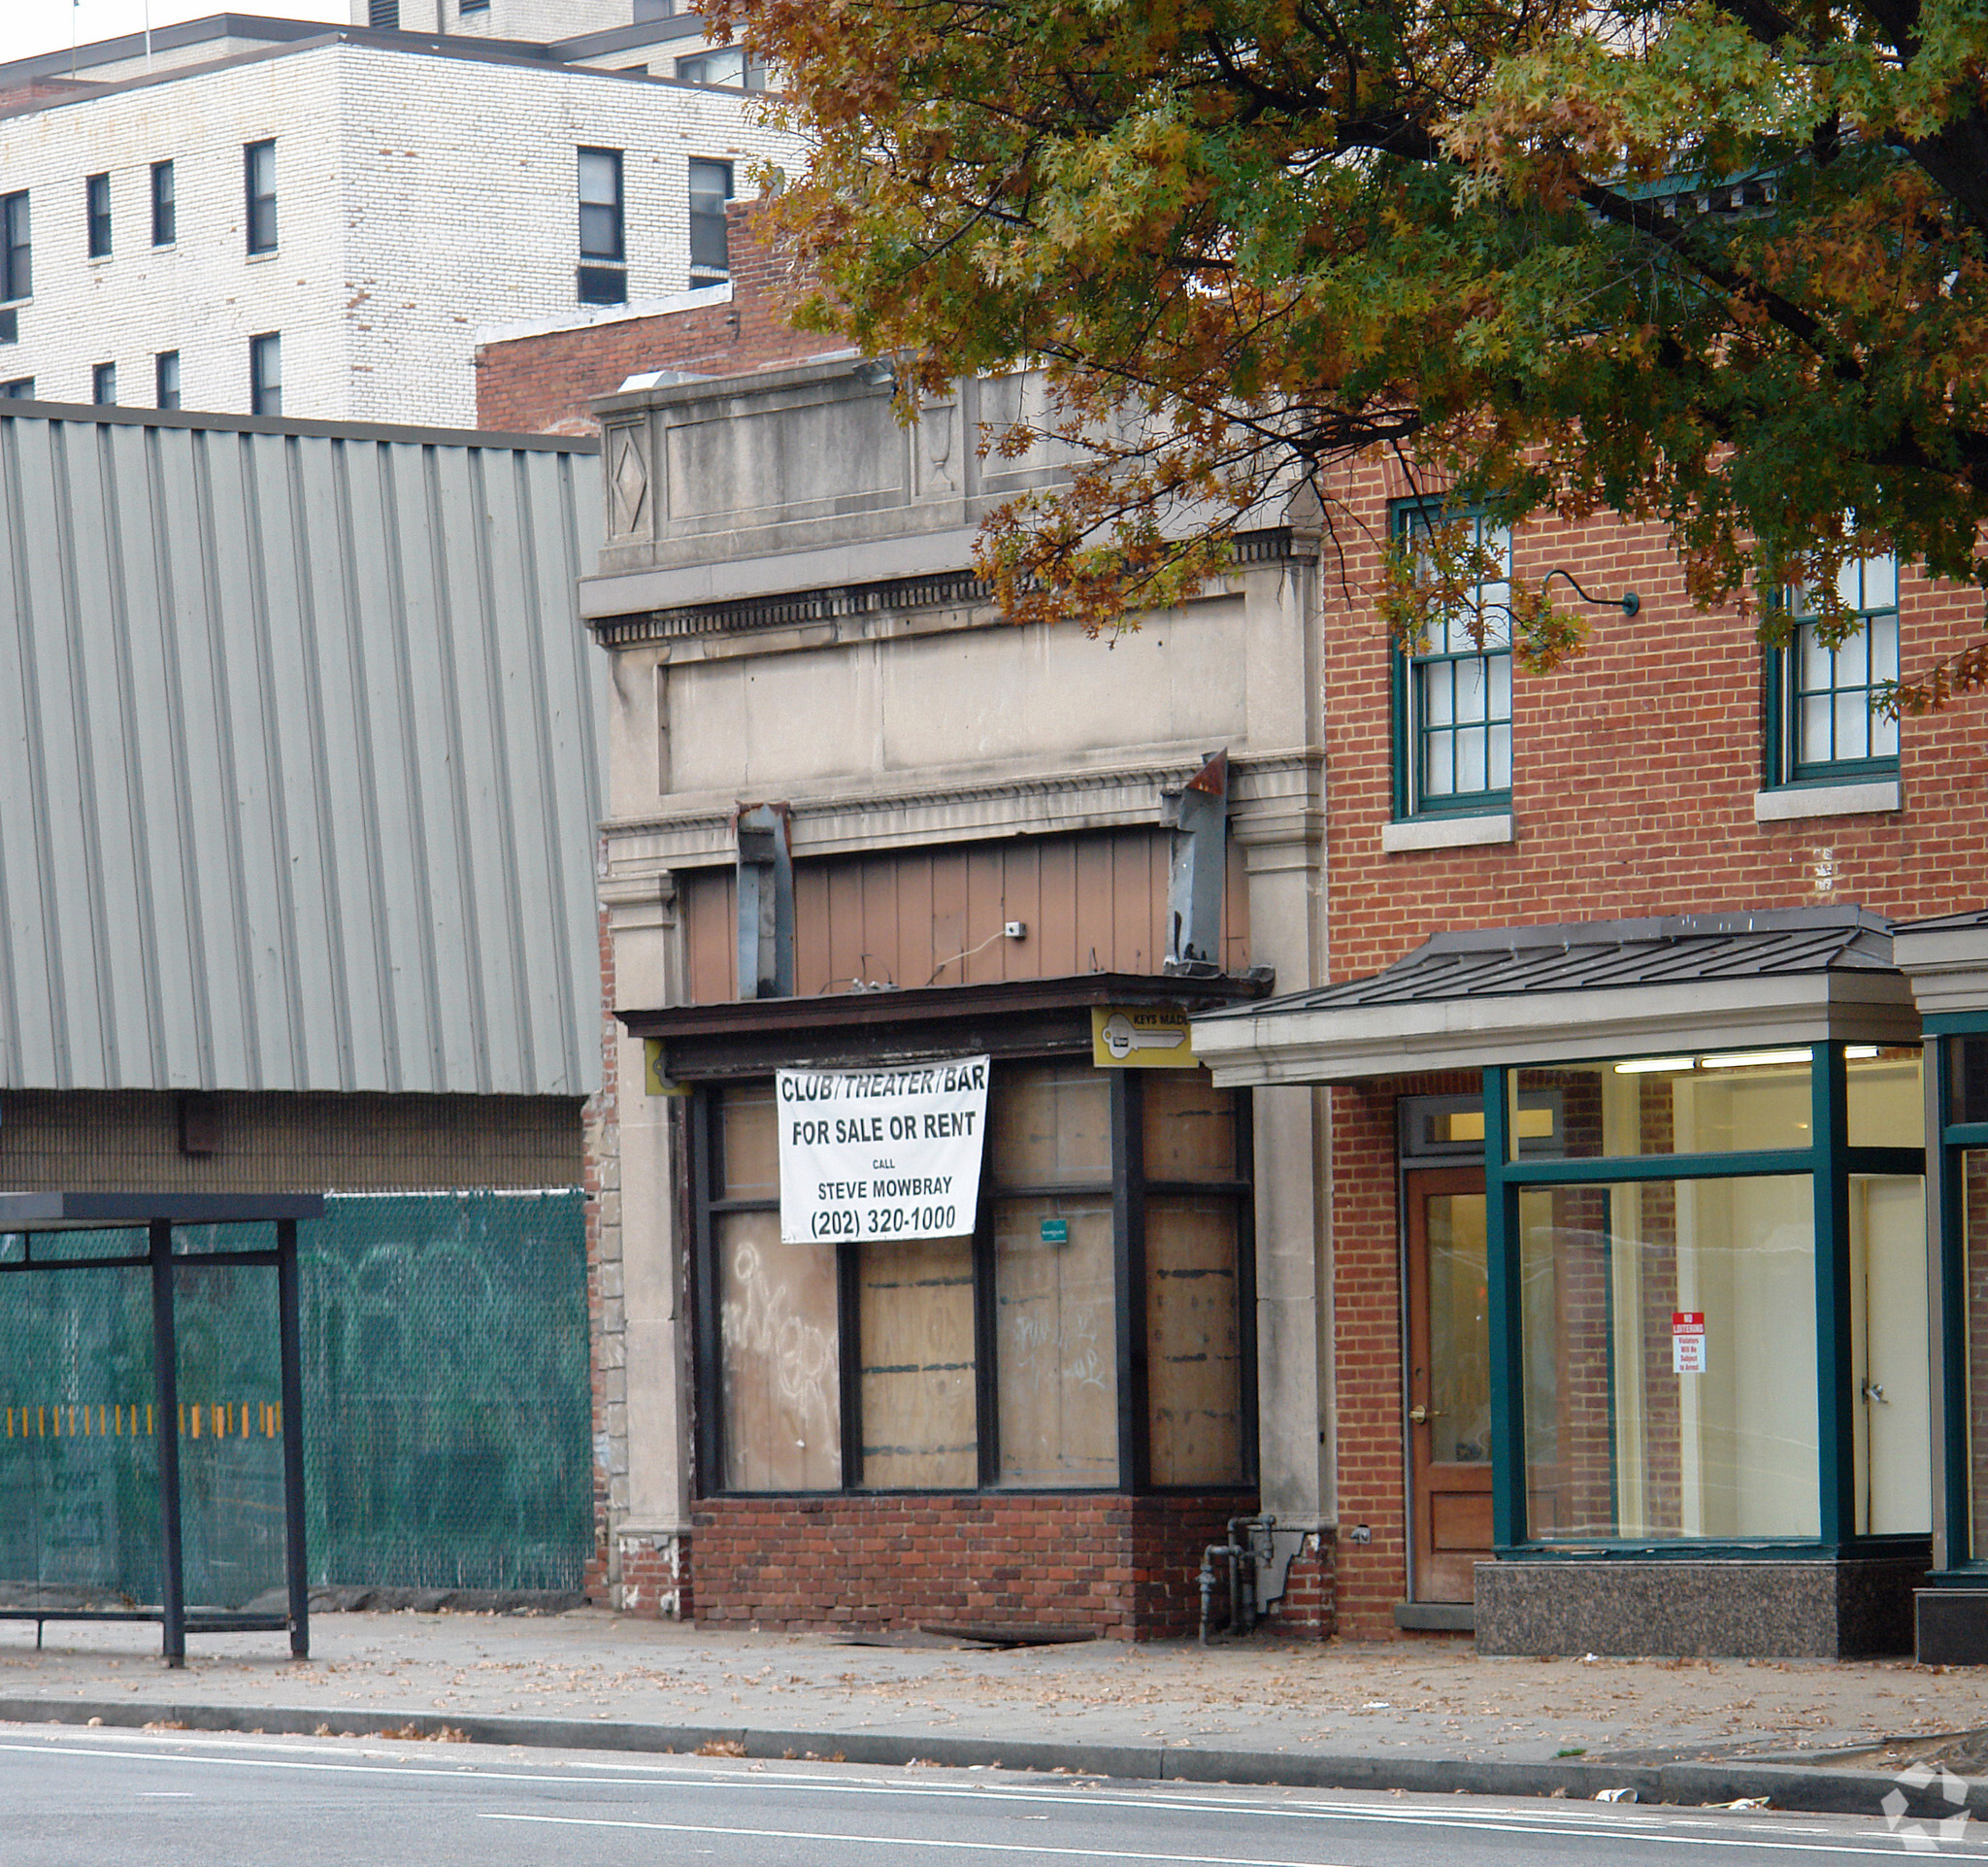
<point>1603,954</point>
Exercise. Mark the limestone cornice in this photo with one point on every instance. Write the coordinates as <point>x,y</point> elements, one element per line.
<point>814,615</point>
<point>1274,798</point>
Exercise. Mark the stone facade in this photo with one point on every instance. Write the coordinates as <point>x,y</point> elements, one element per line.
<point>796,619</point>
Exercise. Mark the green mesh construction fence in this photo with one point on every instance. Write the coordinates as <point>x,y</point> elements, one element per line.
<point>445,1406</point>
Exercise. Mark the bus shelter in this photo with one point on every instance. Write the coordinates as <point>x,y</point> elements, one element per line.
<point>101,1412</point>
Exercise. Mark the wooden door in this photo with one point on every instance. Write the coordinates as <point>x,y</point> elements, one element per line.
<point>1450,1381</point>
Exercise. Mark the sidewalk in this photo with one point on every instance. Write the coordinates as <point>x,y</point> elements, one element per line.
<point>1426,1715</point>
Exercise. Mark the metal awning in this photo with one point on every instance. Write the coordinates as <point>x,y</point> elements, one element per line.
<point>1590,989</point>
<point>24,1217</point>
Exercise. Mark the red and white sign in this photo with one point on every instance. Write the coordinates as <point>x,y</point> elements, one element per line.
<point>1687,1342</point>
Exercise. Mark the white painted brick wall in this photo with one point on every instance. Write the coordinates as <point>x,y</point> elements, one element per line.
<point>541,21</point>
<point>418,197</point>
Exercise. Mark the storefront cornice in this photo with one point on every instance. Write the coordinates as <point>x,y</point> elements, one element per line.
<point>1946,960</point>
<point>1267,1046</point>
<point>1011,1017</point>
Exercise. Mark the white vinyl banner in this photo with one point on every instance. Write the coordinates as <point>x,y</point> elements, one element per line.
<point>881,1153</point>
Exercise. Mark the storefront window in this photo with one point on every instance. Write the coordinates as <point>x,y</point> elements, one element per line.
<point>1055,1341</point>
<point>1708,1102</point>
<point>1972,1167</point>
<point>1887,1096</point>
<point>1638,1425</point>
<point>1194,1349</point>
<point>896,1323</point>
<point>915,1322</point>
<point>779,1375</point>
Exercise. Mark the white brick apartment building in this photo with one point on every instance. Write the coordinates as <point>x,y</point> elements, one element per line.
<point>280,216</point>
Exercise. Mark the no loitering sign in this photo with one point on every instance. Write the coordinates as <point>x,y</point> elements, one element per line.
<point>881,1153</point>
<point>1687,1342</point>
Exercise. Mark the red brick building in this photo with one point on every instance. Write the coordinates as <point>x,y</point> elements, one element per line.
<point>1658,890</point>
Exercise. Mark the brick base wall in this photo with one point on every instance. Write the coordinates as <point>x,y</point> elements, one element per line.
<point>653,1577</point>
<point>1309,1608</point>
<point>1122,1567</point>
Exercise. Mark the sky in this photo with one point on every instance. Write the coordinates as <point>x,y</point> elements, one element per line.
<point>29,26</point>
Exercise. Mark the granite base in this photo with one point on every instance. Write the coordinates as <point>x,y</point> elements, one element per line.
<point>1799,1607</point>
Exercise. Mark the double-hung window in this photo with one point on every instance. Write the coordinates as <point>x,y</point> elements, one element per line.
<point>1821,728</point>
<point>710,187</point>
<point>1452,688</point>
<point>259,175</point>
<point>16,252</point>
<point>165,368</point>
<point>103,386</point>
<point>165,207</point>
<point>97,213</point>
<point>602,251</point>
<point>266,374</point>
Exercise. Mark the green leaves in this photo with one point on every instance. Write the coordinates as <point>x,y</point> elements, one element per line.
<point>1715,263</point>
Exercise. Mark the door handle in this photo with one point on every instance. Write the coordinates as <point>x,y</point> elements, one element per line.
<point>1421,1415</point>
<point>1874,1390</point>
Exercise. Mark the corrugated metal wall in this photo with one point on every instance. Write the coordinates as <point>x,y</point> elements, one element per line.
<point>299,759</point>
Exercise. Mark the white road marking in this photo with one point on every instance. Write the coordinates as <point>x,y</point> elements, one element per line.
<point>901,1840</point>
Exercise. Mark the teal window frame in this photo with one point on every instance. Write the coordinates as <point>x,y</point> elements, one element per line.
<point>1790,761</point>
<point>1954,1555</point>
<point>1412,731</point>
<point>1831,1164</point>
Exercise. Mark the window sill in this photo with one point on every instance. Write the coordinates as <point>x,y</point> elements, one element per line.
<point>1799,801</point>
<point>1445,833</point>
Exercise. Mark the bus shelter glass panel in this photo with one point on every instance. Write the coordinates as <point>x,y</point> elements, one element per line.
<point>79,1432</point>
<point>231,1449</point>
<point>1669,1359</point>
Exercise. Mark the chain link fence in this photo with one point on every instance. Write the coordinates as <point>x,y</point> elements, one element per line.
<point>446,1407</point>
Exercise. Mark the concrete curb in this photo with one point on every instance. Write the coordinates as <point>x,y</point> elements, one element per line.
<point>1802,1789</point>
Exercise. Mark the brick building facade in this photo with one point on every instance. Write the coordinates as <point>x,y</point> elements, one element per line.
<point>1654,804</point>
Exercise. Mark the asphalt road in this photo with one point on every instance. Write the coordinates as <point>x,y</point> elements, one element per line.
<point>102,1798</point>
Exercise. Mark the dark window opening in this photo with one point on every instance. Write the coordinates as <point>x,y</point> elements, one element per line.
<point>166,379</point>
<point>384,16</point>
<point>710,187</point>
<point>103,386</point>
<point>165,206</point>
<point>97,208</point>
<point>20,390</point>
<point>266,374</point>
<point>258,164</point>
<point>647,10</point>
<point>603,286</point>
<point>16,253</point>
<point>600,206</point>
<point>469,6</point>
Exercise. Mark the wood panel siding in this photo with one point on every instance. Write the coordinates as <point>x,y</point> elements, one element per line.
<point>1095,903</point>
